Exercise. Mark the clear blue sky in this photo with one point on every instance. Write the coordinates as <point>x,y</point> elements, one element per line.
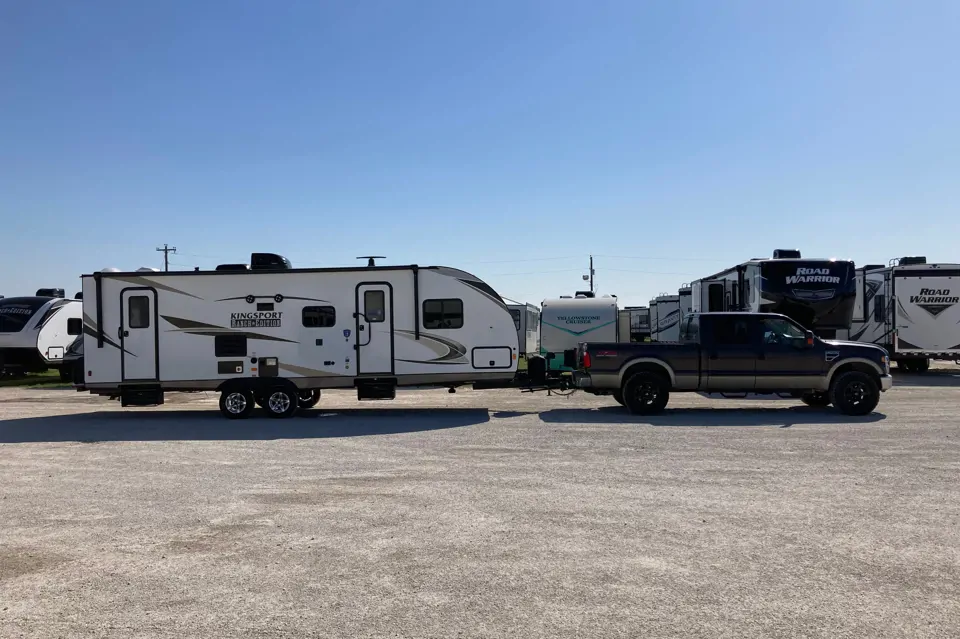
<point>685,136</point>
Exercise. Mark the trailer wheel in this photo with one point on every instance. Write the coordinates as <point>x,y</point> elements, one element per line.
<point>921,365</point>
<point>854,393</point>
<point>66,373</point>
<point>281,401</point>
<point>815,399</point>
<point>236,403</point>
<point>646,393</point>
<point>618,396</point>
<point>309,398</point>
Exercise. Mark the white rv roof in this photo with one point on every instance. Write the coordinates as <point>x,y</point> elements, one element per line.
<point>581,302</point>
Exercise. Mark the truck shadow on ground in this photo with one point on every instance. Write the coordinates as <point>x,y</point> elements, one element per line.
<point>210,425</point>
<point>708,417</point>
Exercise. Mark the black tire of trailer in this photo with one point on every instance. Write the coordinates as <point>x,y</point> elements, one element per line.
<point>66,373</point>
<point>921,365</point>
<point>309,398</point>
<point>854,392</point>
<point>646,393</point>
<point>281,399</point>
<point>817,399</point>
<point>236,401</point>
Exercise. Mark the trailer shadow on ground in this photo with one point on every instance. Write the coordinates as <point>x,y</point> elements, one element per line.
<point>930,378</point>
<point>201,425</point>
<point>708,417</point>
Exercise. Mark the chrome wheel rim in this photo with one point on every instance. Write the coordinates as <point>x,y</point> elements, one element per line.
<point>279,402</point>
<point>306,396</point>
<point>236,403</point>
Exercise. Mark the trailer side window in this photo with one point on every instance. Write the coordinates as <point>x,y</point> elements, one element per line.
<point>138,309</point>
<point>878,308</point>
<point>74,326</point>
<point>233,345</point>
<point>374,306</point>
<point>319,316</point>
<point>443,313</point>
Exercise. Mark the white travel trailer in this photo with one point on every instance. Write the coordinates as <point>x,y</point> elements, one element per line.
<point>275,336</point>
<point>817,293</point>
<point>567,321</point>
<point>665,318</point>
<point>35,333</point>
<point>910,308</point>
<point>634,324</point>
<point>526,317</point>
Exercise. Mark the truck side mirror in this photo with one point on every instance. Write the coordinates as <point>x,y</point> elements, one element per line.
<point>808,340</point>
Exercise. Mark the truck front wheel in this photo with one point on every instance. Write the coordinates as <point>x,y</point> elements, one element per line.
<point>854,393</point>
<point>646,393</point>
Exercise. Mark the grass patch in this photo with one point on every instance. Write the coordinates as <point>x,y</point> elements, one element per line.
<point>48,379</point>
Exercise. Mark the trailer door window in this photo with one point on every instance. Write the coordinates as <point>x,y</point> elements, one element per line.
<point>374,306</point>
<point>138,307</point>
<point>319,316</point>
<point>443,313</point>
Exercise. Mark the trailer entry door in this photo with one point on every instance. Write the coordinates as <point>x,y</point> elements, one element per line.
<point>138,334</point>
<point>374,328</point>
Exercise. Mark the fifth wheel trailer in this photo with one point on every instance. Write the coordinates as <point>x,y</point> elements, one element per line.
<point>665,316</point>
<point>910,308</point>
<point>274,335</point>
<point>36,331</point>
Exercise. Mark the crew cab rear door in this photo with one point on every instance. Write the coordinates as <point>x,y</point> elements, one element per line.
<point>729,352</point>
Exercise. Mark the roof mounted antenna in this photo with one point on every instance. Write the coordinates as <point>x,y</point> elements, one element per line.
<point>370,259</point>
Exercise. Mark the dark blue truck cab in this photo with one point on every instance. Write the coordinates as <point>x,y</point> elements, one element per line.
<point>733,353</point>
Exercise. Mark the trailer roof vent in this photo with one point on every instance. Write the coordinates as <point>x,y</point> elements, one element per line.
<point>370,259</point>
<point>272,261</point>
<point>148,269</point>
<point>585,294</point>
<point>50,292</point>
<point>110,269</point>
<point>915,259</point>
<point>786,254</point>
<point>232,267</point>
<point>78,296</point>
<point>872,267</point>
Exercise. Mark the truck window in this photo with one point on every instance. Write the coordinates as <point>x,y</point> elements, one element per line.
<point>779,331</point>
<point>730,331</point>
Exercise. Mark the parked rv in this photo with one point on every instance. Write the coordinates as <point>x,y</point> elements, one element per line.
<point>819,294</point>
<point>274,335</point>
<point>911,308</point>
<point>634,324</point>
<point>35,332</point>
<point>567,321</point>
<point>665,318</point>
<point>526,317</point>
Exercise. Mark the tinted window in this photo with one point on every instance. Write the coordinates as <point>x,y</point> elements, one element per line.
<point>715,294</point>
<point>230,345</point>
<point>74,326</point>
<point>374,306</point>
<point>319,316</point>
<point>138,307</point>
<point>515,314</point>
<point>878,308</point>
<point>15,313</point>
<point>442,314</point>
<point>731,331</point>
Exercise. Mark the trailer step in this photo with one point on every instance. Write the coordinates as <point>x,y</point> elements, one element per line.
<point>145,395</point>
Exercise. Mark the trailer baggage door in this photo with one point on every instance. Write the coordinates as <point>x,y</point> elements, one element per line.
<point>374,328</point>
<point>138,334</point>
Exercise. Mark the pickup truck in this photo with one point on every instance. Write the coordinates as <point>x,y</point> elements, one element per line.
<point>736,353</point>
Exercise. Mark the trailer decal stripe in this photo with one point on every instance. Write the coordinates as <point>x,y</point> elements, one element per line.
<point>567,330</point>
<point>455,352</point>
<point>142,281</point>
<point>307,372</point>
<point>193,327</point>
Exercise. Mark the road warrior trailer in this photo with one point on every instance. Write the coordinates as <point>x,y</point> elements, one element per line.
<point>35,333</point>
<point>276,336</point>
<point>819,294</point>
<point>567,321</point>
<point>910,308</point>
<point>526,317</point>
<point>665,318</point>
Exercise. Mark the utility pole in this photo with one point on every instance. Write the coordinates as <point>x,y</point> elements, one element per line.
<point>591,273</point>
<point>166,255</point>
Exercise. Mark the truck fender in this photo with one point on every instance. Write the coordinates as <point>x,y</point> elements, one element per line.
<point>858,361</point>
<point>651,363</point>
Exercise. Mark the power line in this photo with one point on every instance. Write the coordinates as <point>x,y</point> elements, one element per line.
<point>166,255</point>
<point>671,259</point>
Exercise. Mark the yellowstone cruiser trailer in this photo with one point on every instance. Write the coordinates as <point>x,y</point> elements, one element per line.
<point>526,317</point>
<point>275,335</point>
<point>819,294</point>
<point>910,308</point>
<point>665,318</point>
<point>634,324</point>
<point>567,321</point>
<point>36,331</point>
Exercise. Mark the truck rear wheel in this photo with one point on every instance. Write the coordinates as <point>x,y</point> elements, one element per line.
<point>618,396</point>
<point>854,393</point>
<point>646,393</point>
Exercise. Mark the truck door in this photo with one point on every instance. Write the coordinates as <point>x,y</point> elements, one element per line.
<point>785,362</point>
<point>374,333</point>
<point>138,334</point>
<point>730,354</point>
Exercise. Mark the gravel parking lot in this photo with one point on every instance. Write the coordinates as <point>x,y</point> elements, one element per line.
<point>481,514</point>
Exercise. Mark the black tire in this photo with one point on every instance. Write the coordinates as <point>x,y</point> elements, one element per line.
<point>66,373</point>
<point>905,365</point>
<point>816,399</point>
<point>236,403</point>
<point>281,401</point>
<point>309,398</point>
<point>646,393</point>
<point>854,393</point>
<point>921,365</point>
<point>618,396</point>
